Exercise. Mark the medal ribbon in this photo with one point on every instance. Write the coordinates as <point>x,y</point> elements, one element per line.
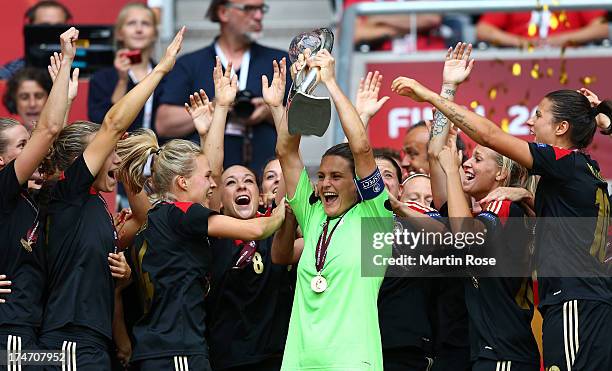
<point>324,241</point>
<point>110,216</point>
<point>249,248</point>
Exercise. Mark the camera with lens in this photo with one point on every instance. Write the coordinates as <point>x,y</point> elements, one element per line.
<point>243,108</point>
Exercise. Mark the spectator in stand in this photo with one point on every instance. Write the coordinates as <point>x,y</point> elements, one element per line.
<point>135,36</point>
<point>392,32</point>
<point>26,94</point>
<point>542,28</point>
<point>240,26</point>
<point>43,12</point>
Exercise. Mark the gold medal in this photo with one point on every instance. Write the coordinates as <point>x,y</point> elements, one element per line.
<point>26,245</point>
<point>318,284</point>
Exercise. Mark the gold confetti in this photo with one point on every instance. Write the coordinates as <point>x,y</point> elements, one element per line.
<point>562,16</point>
<point>492,93</point>
<point>474,104</point>
<point>516,69</point>
<point>545,7</point>
<point>535,71</point>
<point>587,80</point>
<point>532,30</point>
<point>554,22</point>
<point>549,72</point>
<point>563,78</point>
<point>505,125</point>
<point>530,48</point>
<point>82,43</point>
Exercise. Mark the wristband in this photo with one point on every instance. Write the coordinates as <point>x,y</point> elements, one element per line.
<point>370,187</point>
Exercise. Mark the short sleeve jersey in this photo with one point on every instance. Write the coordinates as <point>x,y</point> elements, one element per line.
<point>192,72</point>
<point>500,309</point>
<point>573,209</point>
<point>517,23</point>
<point>248,308</point>
<point>173,265</point>
<point>404,306</point>
<point>24,268</point>
<point>338,328</point>
<point>79,236</point>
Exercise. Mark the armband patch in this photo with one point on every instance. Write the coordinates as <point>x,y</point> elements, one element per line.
<point>371,186</point>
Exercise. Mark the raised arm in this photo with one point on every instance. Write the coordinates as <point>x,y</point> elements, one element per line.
<point>349,118</point>
<point>73,85</point>
<point>287,146</point>
<point>226,88</point>
<point>459,211</point>
<point>122,114</point>
<point>479,128</point>
<point>457,68</point>
<point>52,117</point>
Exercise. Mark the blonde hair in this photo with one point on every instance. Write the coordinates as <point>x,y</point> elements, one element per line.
<point>516,175</point>
<point>175,158</point>
<point>122,16</point>
<point>5,124</point>
<point>69,145</point>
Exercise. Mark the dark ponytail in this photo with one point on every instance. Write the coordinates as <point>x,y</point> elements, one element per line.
<point>575,108</point>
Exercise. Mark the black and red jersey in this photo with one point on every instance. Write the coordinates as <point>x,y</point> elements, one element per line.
<point>500,308</point>
<point>405,305</point>
<point>250,304</point>
<point>173,260</point>
<point>573,209</point>
<point>79,235</point>
<point>23,264</point>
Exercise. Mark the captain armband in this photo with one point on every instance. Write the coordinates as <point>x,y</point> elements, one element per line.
<point>371,186</point>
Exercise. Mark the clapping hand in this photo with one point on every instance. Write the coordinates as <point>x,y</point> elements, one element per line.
<point>367,102</point>
<point>54,67</point>
<point>201,111</point>
<point>274,93</point>
<point>167,62</point>
<point>458,65</point>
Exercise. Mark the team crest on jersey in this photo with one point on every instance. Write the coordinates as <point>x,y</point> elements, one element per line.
<point>553,368</point>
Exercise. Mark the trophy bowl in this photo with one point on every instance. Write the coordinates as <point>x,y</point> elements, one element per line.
<point>314,40</point>
<point>308,114</point>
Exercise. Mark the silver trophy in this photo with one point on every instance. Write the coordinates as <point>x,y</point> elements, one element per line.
<point>308,114</point>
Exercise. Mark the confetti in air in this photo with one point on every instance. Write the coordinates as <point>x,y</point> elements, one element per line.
<point>474,104</point>
<point>516,69</point>
<point>532,30</point>
<point>587,80</point>
<point>505,125</point>
<point>554,22</point>
<point>492,93</point>
<point>535,71</point>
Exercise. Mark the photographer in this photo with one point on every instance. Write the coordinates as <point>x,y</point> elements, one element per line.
<point>250,120</point>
